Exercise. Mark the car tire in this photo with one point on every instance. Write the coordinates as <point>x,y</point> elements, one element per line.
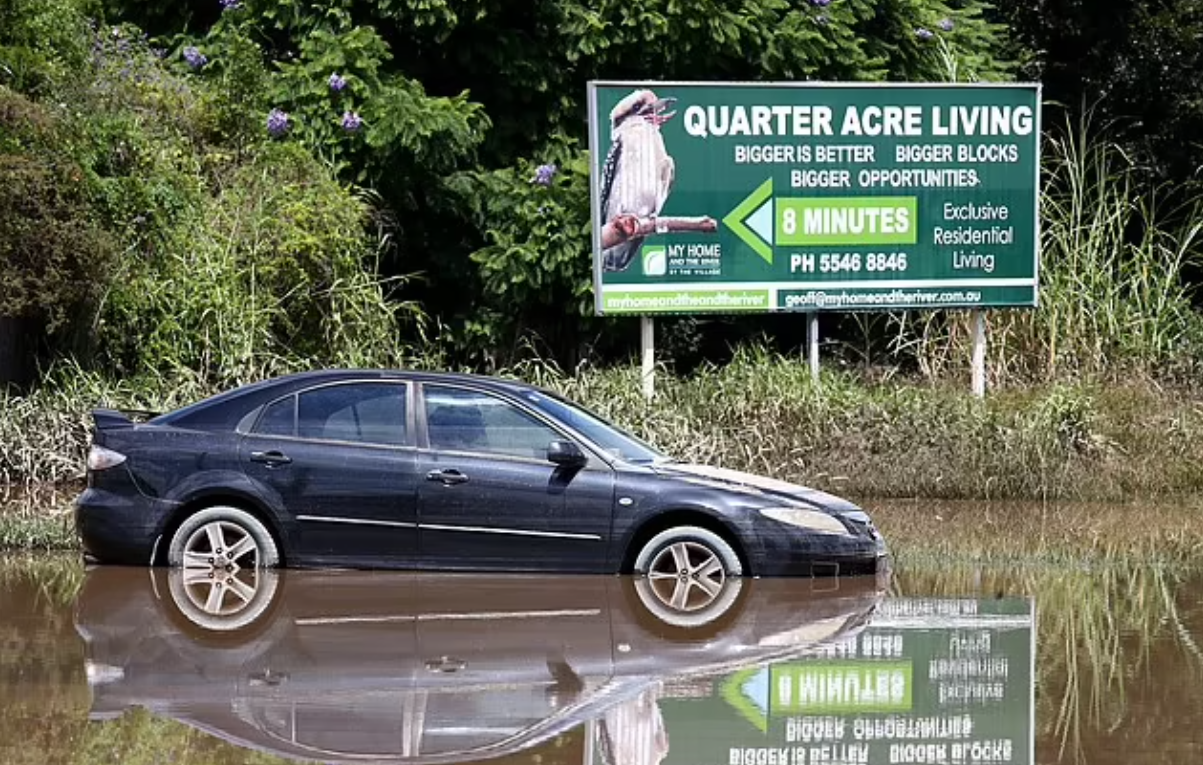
<point>685,575</point>
<point>195,539</point>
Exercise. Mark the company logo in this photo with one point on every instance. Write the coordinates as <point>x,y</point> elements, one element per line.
<point>655,260</point>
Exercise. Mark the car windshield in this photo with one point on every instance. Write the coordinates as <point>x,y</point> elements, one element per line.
<point>601,433</point>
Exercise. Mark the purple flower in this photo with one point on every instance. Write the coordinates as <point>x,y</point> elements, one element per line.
<point>194,57</point>
<point>946,25</point>
<point>351,121</point>
<point>277,123</point>
<point>821,3</point>
<point>924,34</point>
<point>337,82</point>
<point>230,5</point>
<point>544,174</point>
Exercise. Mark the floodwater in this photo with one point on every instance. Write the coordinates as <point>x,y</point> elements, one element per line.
<point>957,665</point>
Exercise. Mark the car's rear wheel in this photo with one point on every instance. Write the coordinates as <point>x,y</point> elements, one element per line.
<point>215,544</point>
<point>687,569</point>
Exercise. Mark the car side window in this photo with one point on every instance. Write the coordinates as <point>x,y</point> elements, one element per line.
<point>469,421</point>
<point>279,418</point>
<point>372,413</point>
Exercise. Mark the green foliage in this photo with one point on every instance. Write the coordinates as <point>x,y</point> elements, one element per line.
<point>1139,70</point>
<point>42,44</point>
<point>152,211</point>
<point>762,412</point>
<point>401,125</point>
<point>51,251</point>
<point>535,272</point>
<point>454,172</point>
<point>272,273</point>
<point>1113,299</point>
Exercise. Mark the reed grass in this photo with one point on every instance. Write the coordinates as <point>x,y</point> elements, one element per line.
<point>762,412</point>
<point>1113,302</point>
<point>1146,533</point>
<point>38,520</point>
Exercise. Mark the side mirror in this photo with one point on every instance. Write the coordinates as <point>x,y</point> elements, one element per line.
<point>566,454</point>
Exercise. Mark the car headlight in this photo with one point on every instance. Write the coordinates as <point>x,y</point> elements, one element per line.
<point>99,674</point>
<point>812,520</point>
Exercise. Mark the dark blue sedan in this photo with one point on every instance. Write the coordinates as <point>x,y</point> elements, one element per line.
<point>383,469</point>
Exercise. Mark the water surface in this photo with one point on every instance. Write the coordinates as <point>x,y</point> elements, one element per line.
<point>961,664</point>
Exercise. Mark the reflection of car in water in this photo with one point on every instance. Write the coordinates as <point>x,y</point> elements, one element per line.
<point>343,666</point>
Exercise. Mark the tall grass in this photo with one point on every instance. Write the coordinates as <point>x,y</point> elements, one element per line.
<point>1065,534</point>
<point>1112,298</point>
<point>762,412</point>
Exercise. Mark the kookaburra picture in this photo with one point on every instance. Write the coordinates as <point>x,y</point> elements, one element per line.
<point>637,180</point>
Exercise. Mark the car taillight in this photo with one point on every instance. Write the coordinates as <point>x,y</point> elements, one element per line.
<point>100,458</point>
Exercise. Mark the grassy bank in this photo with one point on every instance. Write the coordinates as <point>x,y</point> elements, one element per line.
<point>761,412</point>
<point>38,520</point>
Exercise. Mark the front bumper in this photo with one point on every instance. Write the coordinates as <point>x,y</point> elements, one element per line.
<point>118,529</point>
<point>791,551</point>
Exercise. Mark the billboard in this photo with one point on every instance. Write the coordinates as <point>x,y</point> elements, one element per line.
<point>755,197</point>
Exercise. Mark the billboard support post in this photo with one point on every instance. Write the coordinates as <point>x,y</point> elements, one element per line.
<point>979,352</point>
<point>647,355</point>
<point>812,341</point>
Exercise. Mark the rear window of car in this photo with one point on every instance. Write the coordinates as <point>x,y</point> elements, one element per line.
<point>279,418</point>
<point>372,413</point>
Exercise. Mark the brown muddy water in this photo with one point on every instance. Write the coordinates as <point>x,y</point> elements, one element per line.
<point>948,665</point>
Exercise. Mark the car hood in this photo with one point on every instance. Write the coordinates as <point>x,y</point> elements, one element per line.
<point>751,483</point>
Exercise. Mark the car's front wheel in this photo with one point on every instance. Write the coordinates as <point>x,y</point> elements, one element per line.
<point>687,568</point>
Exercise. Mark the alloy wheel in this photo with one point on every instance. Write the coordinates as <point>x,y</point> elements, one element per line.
<point>687,575</point>
<point>221,565</point>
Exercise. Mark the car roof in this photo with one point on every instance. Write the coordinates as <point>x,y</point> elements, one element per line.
<point>225,409</point>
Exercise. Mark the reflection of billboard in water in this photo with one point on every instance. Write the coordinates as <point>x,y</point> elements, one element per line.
<point>929,681</point>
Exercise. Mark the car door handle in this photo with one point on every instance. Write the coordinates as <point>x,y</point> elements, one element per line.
<point>445,664</point>
<point>448,477</point>
<point>271,459</point>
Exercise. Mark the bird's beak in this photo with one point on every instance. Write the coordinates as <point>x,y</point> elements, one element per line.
<point>659,106</point>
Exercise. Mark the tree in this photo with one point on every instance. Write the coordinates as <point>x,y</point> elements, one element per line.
<point>461,100</point>
<point>1134,65</point>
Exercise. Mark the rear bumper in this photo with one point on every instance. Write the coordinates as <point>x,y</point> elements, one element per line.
<point>118,529</point>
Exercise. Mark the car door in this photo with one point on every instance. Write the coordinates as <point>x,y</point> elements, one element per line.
<point>340,458</point>
<point>490,499</point>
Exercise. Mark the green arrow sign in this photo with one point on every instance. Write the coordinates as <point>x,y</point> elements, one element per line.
<point>736,220</point>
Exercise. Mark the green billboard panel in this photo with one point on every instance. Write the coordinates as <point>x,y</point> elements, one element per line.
<point>712,197</point>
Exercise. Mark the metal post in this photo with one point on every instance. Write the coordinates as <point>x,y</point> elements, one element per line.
<point>647,345</point>
<point>812,342</point>
<point>979,353</point>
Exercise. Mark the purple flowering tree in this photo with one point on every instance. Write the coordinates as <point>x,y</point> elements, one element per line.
<point>278,123</point>
<point>194,57</point>
<point>544,174</point>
